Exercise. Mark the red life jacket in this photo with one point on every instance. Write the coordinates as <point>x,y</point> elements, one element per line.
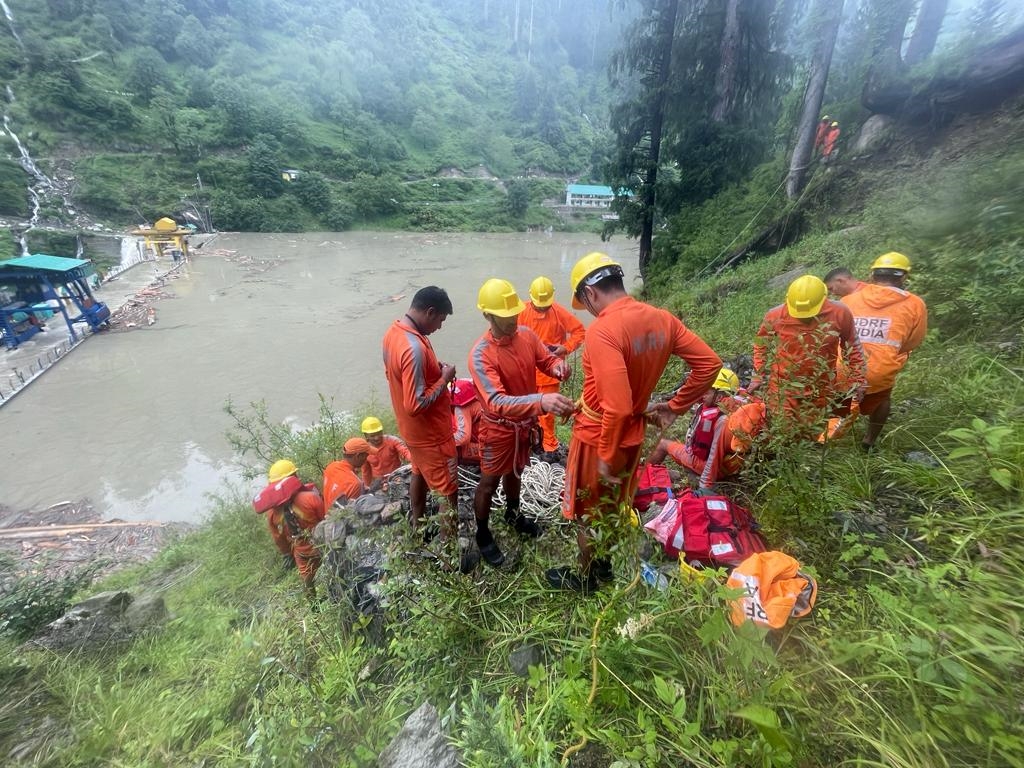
<point>276,494</point>
<point>701,433</point>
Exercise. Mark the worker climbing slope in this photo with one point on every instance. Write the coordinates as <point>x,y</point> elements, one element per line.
<point>293,509</point>
<point>891,322</point>
<point>794,359</point>
<point>388,455</point>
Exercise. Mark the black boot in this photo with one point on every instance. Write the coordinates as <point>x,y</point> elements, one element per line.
<point>489,550</point>
<point>522,525</point>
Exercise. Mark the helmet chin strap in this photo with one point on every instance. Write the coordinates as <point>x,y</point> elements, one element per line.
<point>585,300</point>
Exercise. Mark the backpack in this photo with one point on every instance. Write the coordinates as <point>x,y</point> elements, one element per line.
<point>654,486</point>
<point>716,531</point>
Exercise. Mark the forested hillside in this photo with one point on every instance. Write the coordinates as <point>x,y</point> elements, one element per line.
<point>133,105</point>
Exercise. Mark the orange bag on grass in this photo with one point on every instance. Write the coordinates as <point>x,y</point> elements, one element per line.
<point>774,590</point>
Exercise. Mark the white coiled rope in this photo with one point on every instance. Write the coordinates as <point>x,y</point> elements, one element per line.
<point>541,495</point>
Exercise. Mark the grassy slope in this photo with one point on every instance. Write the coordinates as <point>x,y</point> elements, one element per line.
<point>912,658</point>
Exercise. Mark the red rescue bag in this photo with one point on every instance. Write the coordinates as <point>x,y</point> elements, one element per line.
<point>653,486</point>
<point>716,531</point>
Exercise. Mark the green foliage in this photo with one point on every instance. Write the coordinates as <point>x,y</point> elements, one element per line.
<point>312,191</point>
<point>29,601</point>
<point>13,194</point>
<point>264,159</point>
<point>518,198</point>
<point>147,71</point>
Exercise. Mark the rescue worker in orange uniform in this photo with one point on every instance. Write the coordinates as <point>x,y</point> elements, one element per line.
<point>624,355</point>
<point>293,509</point>
<point>732,440</point>
<point>841,282</point>
<point>418,384</point>
<point>821,131</point>
<point>795,351</point>
<point>342,481</point>
<point>713,407</point>
<point>503,363</point>
<point>891,322</point>
<point>466,421</point>
<point>390,453</point>
<point>562,333</point>
<point>829,143</point>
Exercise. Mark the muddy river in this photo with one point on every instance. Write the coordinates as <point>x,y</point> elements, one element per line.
<point>135,421</point>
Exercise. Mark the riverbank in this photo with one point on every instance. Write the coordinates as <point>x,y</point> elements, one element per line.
<point>69,536</point>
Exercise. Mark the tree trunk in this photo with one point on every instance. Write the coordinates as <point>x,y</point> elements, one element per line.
<point>829,14</point>
<point>725,78</point>
<point>926,30</point>
<point>884,89</point>
<point>662,70</point>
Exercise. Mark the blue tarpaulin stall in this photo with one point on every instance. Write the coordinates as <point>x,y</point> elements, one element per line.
<point>37,287</point>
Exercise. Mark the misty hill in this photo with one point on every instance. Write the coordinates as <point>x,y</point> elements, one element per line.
<point>131,105</point>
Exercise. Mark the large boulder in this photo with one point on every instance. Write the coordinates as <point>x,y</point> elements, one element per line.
<point>420,744</point>
<point>105,619</point>
<point>871,134</point>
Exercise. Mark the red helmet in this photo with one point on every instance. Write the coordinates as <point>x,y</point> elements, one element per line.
<point>463,391</point>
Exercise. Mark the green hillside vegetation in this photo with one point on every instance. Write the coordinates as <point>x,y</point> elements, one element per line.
<point>141,101</point>
<point>912,658</point>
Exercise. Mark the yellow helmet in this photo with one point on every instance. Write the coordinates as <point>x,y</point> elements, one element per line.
<point>727,381</point>
<point>542,292</point>
<point>280,469</point>
<point>892,260</point>
<point>371,424</point>
<point>498,297</point>
<point>590,269</point>
<point>805,296</point>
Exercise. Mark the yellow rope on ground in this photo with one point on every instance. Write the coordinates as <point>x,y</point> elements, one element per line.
<point>572,749</point>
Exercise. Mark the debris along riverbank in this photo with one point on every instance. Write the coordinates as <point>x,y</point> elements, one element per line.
<point>70,535</point>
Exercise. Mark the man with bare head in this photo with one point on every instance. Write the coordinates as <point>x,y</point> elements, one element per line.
<point>841,282</point>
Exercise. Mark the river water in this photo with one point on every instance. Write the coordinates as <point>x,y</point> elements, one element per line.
<point>135,422</point>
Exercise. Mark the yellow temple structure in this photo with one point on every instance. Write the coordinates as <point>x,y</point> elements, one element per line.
<point>165,234</point>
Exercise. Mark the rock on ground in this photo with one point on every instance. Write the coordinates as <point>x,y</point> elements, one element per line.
<point>420,743</point>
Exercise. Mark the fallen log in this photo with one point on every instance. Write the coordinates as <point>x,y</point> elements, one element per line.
<point>41,531</point>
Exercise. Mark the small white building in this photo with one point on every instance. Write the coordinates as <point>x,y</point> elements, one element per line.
<point>588,196</point>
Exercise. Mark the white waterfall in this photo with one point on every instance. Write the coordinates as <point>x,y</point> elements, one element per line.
<point>132,253</point>
<point>10,21</point>
<point>41,180</point>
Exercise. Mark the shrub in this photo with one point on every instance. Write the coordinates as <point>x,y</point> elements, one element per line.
<point>30,601</point>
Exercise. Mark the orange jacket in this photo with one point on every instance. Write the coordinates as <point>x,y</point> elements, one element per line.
<point>419,396</point>
<point>890,323</point>
<point>557,327</point>
<point>504,372</point>
<point>387,459</point>
<point>307,509</point>
<point>341,482</point>
<point>800,365</point>
<point>820,132</point>
<point>831,137</point>
<point>733,436</point>
<point>625,352</point>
